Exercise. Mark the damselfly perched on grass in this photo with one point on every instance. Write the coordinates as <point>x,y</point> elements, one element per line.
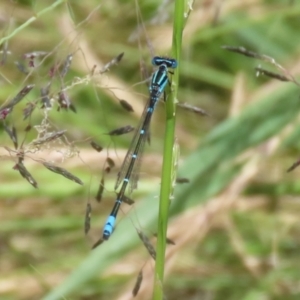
<point>128,174</point>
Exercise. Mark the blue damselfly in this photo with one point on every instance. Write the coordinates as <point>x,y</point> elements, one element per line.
<point>129,170</point>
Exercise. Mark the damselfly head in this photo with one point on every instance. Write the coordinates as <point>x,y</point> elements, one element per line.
<point>169,62</point>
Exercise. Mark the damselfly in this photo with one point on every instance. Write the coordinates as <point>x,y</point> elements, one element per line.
<point>132,160</point>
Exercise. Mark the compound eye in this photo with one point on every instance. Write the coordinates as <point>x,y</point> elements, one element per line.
<point>173,63</point>
<point>157,61</point>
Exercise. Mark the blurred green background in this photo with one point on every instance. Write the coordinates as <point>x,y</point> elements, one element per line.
<point>235,224</point>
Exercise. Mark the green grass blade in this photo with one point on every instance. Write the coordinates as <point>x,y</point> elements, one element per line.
<point>168,159</point>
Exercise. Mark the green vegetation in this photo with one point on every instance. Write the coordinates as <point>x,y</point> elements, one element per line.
<point>235,224</point>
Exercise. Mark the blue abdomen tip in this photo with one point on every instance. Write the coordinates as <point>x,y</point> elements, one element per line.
<point>109,227</point>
